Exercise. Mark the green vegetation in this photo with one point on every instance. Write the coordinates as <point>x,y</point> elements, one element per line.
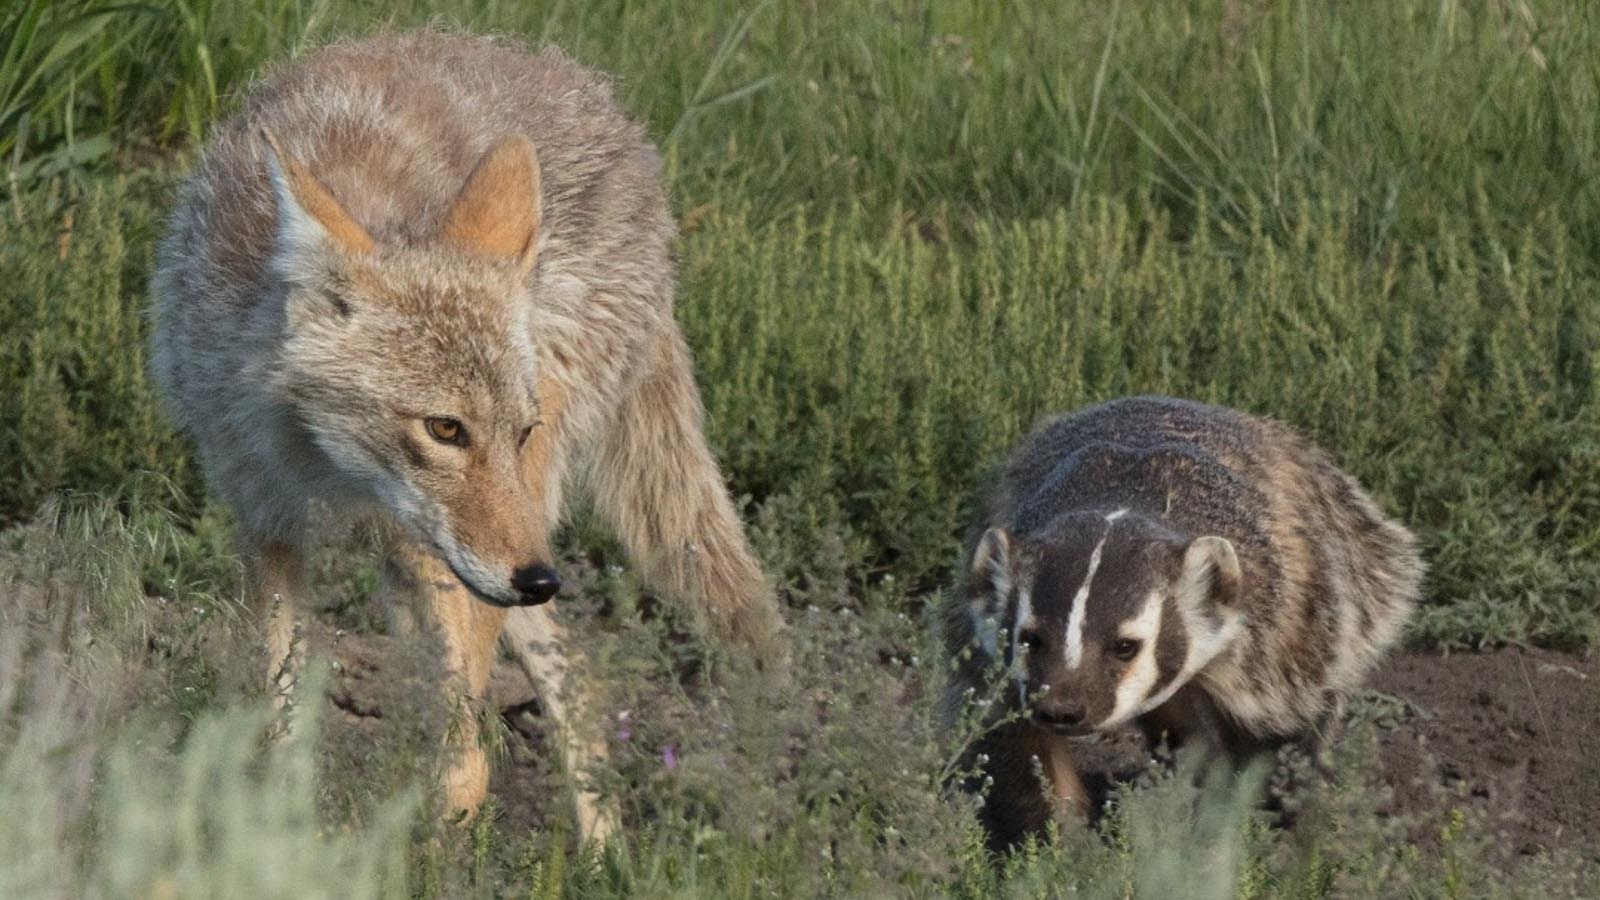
<point>910,229</point>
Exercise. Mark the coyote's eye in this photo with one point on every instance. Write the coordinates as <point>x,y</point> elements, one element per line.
<point>1126,649</point>
<point>446,430</point>
<point>523,437</point>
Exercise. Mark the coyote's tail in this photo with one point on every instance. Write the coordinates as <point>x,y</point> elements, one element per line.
<point>658,485</point>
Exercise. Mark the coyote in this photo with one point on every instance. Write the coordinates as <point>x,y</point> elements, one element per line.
<point>1203,573</point>
<point>429,276</point>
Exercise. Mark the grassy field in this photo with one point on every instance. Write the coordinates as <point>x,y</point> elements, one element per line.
<point>910,229</point>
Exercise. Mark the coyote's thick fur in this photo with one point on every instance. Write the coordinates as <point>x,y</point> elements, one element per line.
<point>429,275</point>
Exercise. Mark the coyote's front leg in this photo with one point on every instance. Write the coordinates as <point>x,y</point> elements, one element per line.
<point>275,572</point>
<point>469,629</point>
<point>539,643</point>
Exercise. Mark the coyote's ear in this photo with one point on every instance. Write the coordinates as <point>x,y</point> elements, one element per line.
<point>1210,578</point>
<point>498,211</point>
<point>308,216</point>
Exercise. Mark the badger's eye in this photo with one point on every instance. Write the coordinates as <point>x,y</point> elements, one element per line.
<point>1029,640</point>
<point>446,430</point>
<point>1126,649</point>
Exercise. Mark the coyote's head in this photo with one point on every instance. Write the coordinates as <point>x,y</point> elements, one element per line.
<point>410,367</point>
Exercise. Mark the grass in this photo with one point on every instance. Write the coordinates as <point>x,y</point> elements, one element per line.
<point>910,229</point>
<point>135,764</point>
<point>1410,109</point>
<point>865,370</point>
<point>867,374</point>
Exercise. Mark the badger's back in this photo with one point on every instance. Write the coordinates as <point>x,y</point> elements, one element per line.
<point>1328,580</point>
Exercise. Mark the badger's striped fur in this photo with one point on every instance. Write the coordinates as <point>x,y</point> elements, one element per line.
<point>1199,571</point>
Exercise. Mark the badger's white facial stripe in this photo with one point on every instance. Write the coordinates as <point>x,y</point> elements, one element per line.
<point>1141,675</point>
<point>1019,668</point>
<point>1072,646</point>
<point>1211,630</point>
<point>1206,643</point>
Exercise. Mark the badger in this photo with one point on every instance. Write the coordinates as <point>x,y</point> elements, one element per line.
<point>1202,573</point>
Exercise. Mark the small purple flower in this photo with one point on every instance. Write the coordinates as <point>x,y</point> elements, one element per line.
<point>624,731</point>
<point>669,757</point>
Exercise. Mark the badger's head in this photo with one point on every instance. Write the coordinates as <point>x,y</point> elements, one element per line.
<point>1101,618</point>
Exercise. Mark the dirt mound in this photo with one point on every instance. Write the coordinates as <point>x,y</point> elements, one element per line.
<point>1512,737</point>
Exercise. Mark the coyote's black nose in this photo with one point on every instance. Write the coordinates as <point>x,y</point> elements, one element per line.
<point>536,584</point>
<point>1058,717</point>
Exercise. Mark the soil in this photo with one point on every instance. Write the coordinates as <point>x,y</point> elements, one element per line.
<point>1511,738</point>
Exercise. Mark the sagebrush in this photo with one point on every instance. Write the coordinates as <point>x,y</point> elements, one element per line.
<point>909,229</point>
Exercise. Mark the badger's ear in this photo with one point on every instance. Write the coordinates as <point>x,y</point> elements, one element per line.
<point>989,582</point>
<point>498,212</point>
<point>1210,576</point>
<point>309,218</point>
<point>989,579</point>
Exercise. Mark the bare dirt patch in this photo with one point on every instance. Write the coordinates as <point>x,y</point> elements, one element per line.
<point>1512,737</point>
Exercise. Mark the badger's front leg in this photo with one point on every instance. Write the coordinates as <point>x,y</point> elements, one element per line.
<point>1068,799</point>
<point>1187,719</point>
<point>1191,719</point>
<point>1031,782</point>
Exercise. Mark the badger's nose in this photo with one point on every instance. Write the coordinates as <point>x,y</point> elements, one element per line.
<point>535,584</point>
<point>1060,717</point>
